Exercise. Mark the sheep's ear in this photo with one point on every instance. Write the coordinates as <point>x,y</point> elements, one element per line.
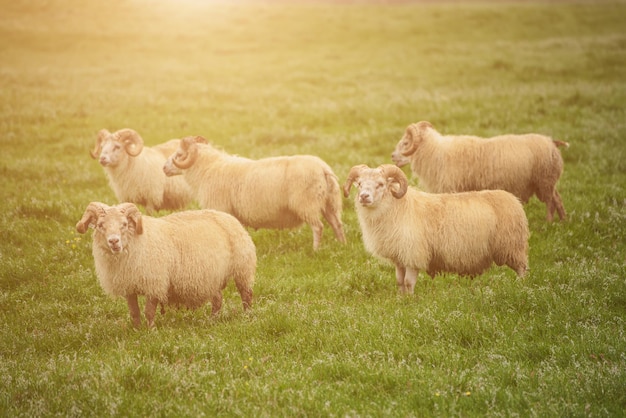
<point>133,215</point>
<point>89,218</point>
<point>201,140</point>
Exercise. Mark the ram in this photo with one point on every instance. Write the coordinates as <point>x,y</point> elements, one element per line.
<point>183,259</point>
<point>278,192</point>
<point>524,165</point>
<point>463,233</point>
<point>135,172</point>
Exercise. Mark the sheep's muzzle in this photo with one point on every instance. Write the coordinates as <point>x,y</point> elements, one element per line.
<point>115,244</point>
<point>365,199</point>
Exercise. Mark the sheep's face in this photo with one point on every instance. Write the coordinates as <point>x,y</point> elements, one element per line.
<point>397,157</point>
<point>372,187</point>
<point>411,140</point>
<point>169,168</point>
<point>113,227</point>
<point>184,157</point>
<point>112,154</point>
<point>376,185</point>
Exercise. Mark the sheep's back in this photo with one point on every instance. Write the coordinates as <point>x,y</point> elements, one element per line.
<point>464,163</point>
<point>277,192</point>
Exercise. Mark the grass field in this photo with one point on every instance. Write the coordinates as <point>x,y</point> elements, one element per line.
<point>328,334</point>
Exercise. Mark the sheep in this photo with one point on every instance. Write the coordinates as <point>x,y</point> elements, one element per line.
<point>135,172</point>
<point>461,233</point>
<point>524,165</point>
<point>278,192</point>
<point>182,259</point>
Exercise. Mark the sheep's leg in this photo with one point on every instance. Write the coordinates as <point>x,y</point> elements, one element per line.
<point>550,208</point>
<point>400,273</point>
<point>409,280</point>
<point>334,222</point>
<point>522,270</point>
<point>318,227</point>
<point>558,202</point>
<point>133,307</point>
<point>216,303</point>
<point>553,204</point>
<point>245,292</point>
<point>246,298</point>
<point>150,310</point>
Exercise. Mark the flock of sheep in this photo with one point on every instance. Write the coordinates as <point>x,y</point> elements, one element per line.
<point>468,216</point>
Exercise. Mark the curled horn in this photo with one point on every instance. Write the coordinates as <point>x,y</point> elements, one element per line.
<point>132,214</point>
<point>413,134</point>
<point>189,145</point>
<point>102,135</point>
<point>132,141</point>
<point>391,171</point>
<point>354,174</point>
<point>92,212</point>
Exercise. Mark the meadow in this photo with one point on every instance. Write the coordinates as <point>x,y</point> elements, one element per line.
<point>328,334</point>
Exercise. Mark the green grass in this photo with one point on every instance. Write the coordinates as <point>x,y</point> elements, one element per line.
<point>328,334</point>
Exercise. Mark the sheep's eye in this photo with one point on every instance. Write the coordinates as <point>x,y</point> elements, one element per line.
<point>124,224</point>
<point>380,185</point>
<point>116,147</point>
<point>100,225</point>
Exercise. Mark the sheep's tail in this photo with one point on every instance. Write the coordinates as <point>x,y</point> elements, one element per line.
<point>558,143</point>
<point>332,211</point>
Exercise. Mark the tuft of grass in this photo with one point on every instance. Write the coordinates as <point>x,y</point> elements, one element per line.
<point>328,334</point>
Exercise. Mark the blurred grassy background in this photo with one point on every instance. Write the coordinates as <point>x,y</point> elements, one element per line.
<point>328,335</point>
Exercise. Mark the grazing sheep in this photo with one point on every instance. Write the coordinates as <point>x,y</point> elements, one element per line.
<point>460,233</point>
<point>135,172</point>
<point>524,165</point>
<point>278,192</point>
<point>182,259</point>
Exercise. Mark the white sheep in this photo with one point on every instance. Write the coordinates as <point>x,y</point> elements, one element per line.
<point>278,192</point>
<point>182,259</point>
<point>460,233</point>
<point>524,165</point>
<point>135,172</point>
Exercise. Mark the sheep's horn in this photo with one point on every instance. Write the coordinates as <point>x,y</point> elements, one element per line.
<point>92,212</point>
<point>189,145</point>
<point>354,174</point>
<point>412,134</point>
<point>393,172</point>
<point>102,135</point>
<point>132,141</point>
<point>132,214</point>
